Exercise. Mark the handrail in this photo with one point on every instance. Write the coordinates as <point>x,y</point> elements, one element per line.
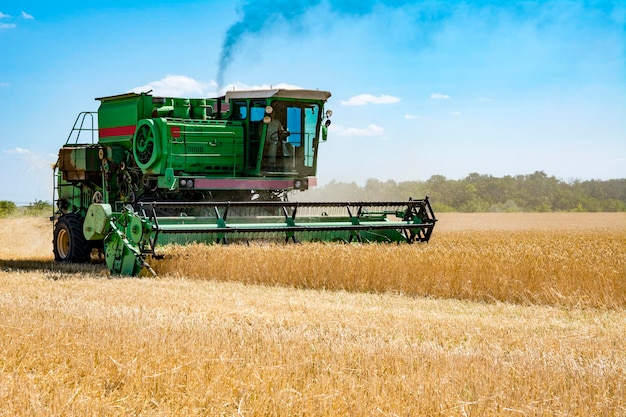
<point>79,127</point>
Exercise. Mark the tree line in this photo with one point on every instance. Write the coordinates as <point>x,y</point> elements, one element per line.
<point>36,208</point>
<point>536,192</point>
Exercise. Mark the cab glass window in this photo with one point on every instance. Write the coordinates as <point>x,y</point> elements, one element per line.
<point>257,111</point>
<point>240,110</point>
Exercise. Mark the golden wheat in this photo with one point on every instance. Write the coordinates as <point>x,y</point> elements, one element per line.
<point>85,346</point>
<point>548,341</point>
<point>570,268</point>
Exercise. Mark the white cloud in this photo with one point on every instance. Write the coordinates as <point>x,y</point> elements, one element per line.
<point>242,86</point>
<point>17,151</point>
<point>370,130</point>
<point>439,96</point>
<point>363,99</point>
<point>456,113</point>
<point>177,86</point>
<point>410,116</point>
<point>183,86</point>
<point>23,15</point>
<point>4,84</point>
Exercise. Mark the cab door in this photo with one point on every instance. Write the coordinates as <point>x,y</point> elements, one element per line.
<point>254,142</point>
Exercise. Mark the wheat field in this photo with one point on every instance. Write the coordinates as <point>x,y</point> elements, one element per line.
<point>512,314</point>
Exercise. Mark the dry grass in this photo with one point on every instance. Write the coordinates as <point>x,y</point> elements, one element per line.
<point>561,260</point>
<point>73,342</point>
<point>177,347</point>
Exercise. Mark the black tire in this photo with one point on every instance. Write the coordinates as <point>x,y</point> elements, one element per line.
<point>69,244</point>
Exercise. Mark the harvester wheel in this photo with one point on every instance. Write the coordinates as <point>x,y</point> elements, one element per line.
<point>69,241</point>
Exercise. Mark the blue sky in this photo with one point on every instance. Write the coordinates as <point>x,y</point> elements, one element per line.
<point>419,88</point>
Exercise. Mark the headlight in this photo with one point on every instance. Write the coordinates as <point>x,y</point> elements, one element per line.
<point>183,183</point>
<point>297,184</point>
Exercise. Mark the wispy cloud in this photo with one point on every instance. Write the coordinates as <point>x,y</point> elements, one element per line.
<point>363,99</point>
<point>8,19</point>
<point>31,161</point>
<point>439,96</point>
<point>370,130</point>
<point>17,151</point>
<point>410,116</point>
<point>3,84</point>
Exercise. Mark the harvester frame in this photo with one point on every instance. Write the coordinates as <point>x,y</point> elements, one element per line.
<point>169,170</point>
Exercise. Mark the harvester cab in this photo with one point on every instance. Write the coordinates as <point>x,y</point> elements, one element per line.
<point>158,170</point>
<point>281,129</point>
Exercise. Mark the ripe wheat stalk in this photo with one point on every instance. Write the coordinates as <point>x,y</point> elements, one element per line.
<point>499,322</point>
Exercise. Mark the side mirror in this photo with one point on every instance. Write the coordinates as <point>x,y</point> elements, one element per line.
<point>325,130</point>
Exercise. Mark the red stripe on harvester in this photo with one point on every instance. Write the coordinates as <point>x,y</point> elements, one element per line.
<point>106,132</point>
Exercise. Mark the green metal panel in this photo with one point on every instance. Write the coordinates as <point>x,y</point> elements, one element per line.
<point>195,150</point>
<point>77,163</point>
<point>118,117</point>
<point>214,149</point>
<point>96,224</point>
<point>130,236</point>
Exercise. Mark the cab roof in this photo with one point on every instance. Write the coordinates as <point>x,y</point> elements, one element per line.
<point>246,94</point>
<point>278,93</point>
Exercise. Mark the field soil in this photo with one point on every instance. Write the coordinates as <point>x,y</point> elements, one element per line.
<point>26,238</point>
<point>530,222</point>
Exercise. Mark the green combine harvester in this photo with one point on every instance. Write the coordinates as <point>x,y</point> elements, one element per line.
<point>145,171</point>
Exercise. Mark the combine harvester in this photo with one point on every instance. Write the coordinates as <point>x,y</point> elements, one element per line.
<point>155,170</point>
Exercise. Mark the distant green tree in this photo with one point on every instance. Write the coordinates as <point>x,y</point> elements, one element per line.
<point>509,206</point>
<point>376,190</point>
<point>411,189</point>
<point>7,208</point>
<point>613,205</point>
<point>38,208</point>
<point>536,192</point>
<point>440,207</point>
